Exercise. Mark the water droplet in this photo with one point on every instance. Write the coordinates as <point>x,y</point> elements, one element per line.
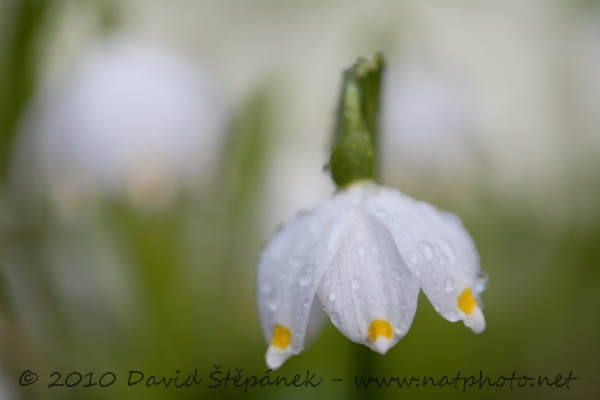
<point>399,331</point>
<point>427,250</point>
<point>335,319</point>
<point>418,271</point>
<point>306,276</point>
<point>272,303</point>
<point>449,284</point>
<point>437,307</point>
<point>437,287</point>
<point>264,289</point>
<point>413,257</point>
<point>396,227</point>
<point>413,302</point>
<point>361,251</point>
<point>296,260</point>
<point>355,284</point>
<point>360,235</point>
<point>327,279</point>
<point>397,275</point>
<point>374,249</point>
<point>382,214</point>
<point>332,296</point>
<point>434,273</point>
<point>482,282</point>
<point>442,260</point>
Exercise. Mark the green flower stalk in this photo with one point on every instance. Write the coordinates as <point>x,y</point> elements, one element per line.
<point>356,131</point>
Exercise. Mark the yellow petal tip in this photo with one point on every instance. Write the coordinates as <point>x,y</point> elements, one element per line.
<point>380,335</point>
<point>466,302</point>
<point>281,336</point>
<point>378,328</point>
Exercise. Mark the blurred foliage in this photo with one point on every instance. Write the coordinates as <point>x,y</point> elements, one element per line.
<point>21,27</point>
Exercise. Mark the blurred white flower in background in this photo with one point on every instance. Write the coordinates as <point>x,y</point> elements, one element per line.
<point>428,122</point>
<point>585,55</point>
<point>131,120</point>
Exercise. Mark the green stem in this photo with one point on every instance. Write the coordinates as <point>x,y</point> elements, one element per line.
<point>17,75</point>
<point>356,131</point>
<point>364,367</point>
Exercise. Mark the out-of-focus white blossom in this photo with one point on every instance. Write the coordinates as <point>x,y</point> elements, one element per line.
<point>428,120</point>
<point>130,120</point>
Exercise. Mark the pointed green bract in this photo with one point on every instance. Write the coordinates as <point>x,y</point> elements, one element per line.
<point>353,152</point>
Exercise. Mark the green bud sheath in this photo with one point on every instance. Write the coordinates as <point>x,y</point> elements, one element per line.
<point>356,130</point>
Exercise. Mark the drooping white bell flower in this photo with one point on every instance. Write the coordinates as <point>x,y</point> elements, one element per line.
<point>363,255</point>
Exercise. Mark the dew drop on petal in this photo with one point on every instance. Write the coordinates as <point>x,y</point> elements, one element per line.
<point>296,260</point>
<point>360,235</point>
<point>437,286</point>
<point>335,319</point>
<point>413,257</point>
<point>382,214</point>
<point>355,284</point>
<point>482,282</point>
<point>332,296</point>
<point>362,322</point>
<point>427,250</point>
<point>397,275</point>
<point>442,260</point>
<point>374,249</point>
<point>272,303</point>
<point>434,273</point>
<point>327,279</point>
<point>452,315</point>
<point>437,307</point>
<point>361,250</point>
<point>305,276</point>
<point>449,284</point>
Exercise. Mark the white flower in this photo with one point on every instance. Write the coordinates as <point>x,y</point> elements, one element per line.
<point>131,119</point>
<point>364,254</point>
<point>432,117</point>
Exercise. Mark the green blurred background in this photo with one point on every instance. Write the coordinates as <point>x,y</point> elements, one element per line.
<point>491,110</point>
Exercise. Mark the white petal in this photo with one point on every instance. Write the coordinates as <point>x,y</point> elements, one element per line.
<point>368,292</point>
<point>289,272</point>
<point>437,250</point>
